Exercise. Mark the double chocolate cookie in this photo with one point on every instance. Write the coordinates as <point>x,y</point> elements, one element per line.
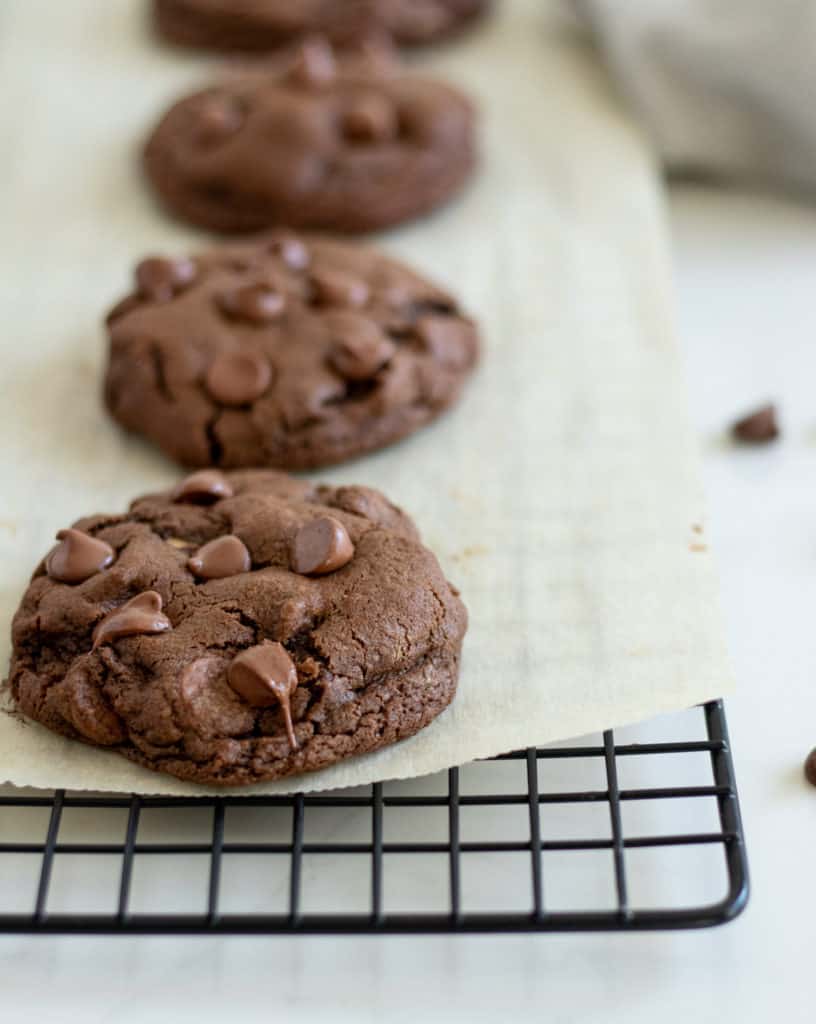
<point>240,628</point>
<point>285,351</point>
<point>258,25</point>
<point>350,146</point>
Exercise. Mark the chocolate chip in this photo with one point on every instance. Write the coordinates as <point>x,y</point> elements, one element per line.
<point>758,427</point>
<point>203,488</point>
<point>313,65</point>
<point>371,118</point>
<point>810,767</point>
<point>161,279</point>
<point>359,347</point>
<point>77,557</point>
<point>238,378</point>
<point>256,303</point>
<point>336,288</point>
<point>265,676</point>
<point>321,546</point>
<point>292,251</point>
<point>142,614</point>
<point>225,556</point>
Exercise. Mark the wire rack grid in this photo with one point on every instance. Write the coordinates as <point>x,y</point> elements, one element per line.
<point>524,842</point>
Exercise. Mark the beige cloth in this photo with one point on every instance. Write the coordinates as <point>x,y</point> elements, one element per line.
<point>722,86</point>
<point>562,495</point>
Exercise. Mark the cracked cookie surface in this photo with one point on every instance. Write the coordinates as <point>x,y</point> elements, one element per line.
<point>288,351</point>
<point>241,678</point>
<point>349,144</point>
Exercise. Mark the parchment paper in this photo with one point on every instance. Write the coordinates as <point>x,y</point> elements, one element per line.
<point>561,496</point>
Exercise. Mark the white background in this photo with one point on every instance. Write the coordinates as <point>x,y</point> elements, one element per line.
<point>745,272</point>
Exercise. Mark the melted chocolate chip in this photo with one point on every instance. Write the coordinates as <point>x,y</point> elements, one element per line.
<point>757,428</point>
<point>265,676</point>
<point>225,556</point>
<point>359,347</point>
<point>238,378</point>
<point>77,557</point>
<point>203,488</point>
<point>161,279</point>
<point>371,119</point>
<point>321,546</point>
<point>314,65</point>
<point>255,303</point>
<point>336,288</point>
<point>810,767</point>
<point>142,614</point>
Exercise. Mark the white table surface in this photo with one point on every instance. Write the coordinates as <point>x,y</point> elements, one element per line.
<point>745,272</point>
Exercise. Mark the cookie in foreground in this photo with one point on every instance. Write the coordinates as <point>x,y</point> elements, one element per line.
<point>285,351</point>
<point>251,25</point>
<point>243,627</point>
<point>310,141</point>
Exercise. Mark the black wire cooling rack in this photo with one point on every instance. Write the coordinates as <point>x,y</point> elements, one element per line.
<point>565,838</point>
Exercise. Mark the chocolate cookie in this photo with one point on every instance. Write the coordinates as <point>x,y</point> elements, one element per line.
<point>349,146</point>
<point>259,25</point>
<point>284,351</point>
<point>240,628</point>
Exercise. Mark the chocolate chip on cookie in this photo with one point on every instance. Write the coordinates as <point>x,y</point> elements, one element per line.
<point>286,351</point>
<point>265,676</point>
<point>224,556</point>
<point>349,145</point>
<point>141,614</point>
<point>321,546</point>
<point>77,557</point>
<point>276,629</point>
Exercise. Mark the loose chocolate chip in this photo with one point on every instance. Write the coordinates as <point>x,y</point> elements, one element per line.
<point>313,65</point>
<point>292,251</point>
<point>238,378</point>
<point>810,767</point>
<point>203,488</point>
<point>321,546</point>
<point>77,557</point>
<point>161,279</point>
<point>359,347</point>
<point>758,427</point>
<point>142,614</point>
<point>336,288</point>
<point>256,303</point>
<point>264,676</point>
<point>371,119</point>
<point>218,118</point>
<point>225,556</point>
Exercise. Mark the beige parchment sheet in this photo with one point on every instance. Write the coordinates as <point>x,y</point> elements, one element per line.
<point>561,496</point>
